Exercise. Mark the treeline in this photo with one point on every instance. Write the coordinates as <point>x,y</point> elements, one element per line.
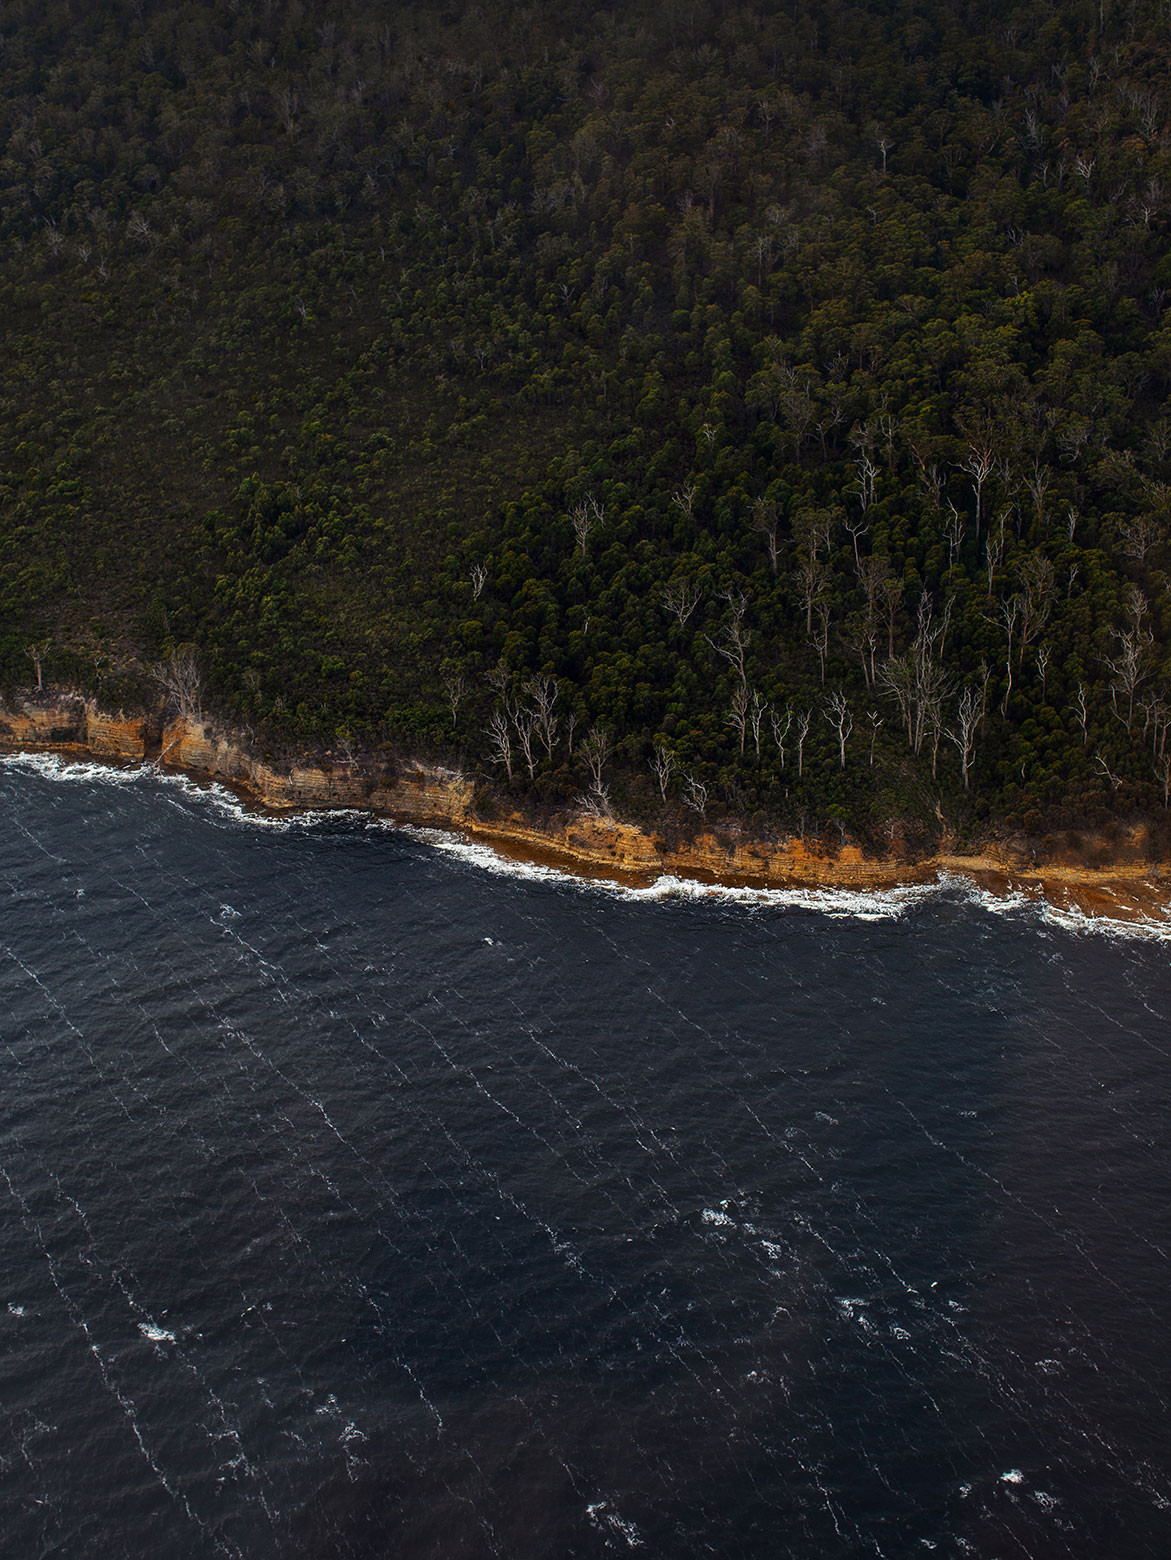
<point>685,408</point>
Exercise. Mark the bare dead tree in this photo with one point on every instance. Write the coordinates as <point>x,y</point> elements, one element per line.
<point>178,675</point>
<point>1038,579</point>
<point>1104,768</point>
<point>694,794</point>
<point>738,713</point>
<point>896,679</point>
<point>766,522</point>
<point>962,733</point>
<point>841,718</point>
<point>888,426</point>
<point>1159,718</point>
<point>813,579</point>
<point>822,607</point>
<point>1163,770</point>
<point>813,529</point>
<point>735,637</point>
<point>500,739</point>
<point>953,528</point>
<point>479,579</point>
<point>595,803</point>
<point>524,723</point>
<point>457,687</point>
<point>1129,666</point>
<point>917,679</point>
<point>36,654</point>
<point>680,596</point>
<point>979,463</point>
<point>892,595</point>
<point>1007,616</point>
<point>664,765</point>
<point>876,721</point>
<point>930,480</point>
<point>857,527</point>
<point>1038,483</point>
<point>861,635</point>
<point>1044,653</point>
<point>499,679</point>
<point>541,692</point>
<point>1082,713</point>
<point>757,710</point>
<point>586,517</point>
<point>519,721</point>
<point>781,731</point>
<point>803,719</point>
<point>597,750</point>
<point>994,547</point>
<point>864,483</point>
<point>684,499</point>
<point>873,575</point>
<point>1136,605</point>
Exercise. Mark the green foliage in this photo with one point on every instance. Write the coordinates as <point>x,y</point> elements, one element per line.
<point>691,367</point>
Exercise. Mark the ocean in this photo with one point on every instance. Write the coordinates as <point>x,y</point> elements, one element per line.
<point>362,1195</point>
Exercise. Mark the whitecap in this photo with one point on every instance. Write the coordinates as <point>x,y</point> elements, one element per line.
<point>155,1334</point>
<point>861,904</point>
<point>602,1516</point>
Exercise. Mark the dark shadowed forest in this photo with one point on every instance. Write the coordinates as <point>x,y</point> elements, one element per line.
<point>687,409</point>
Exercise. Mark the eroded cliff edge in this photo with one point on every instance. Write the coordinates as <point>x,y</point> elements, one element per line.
<point>1130,884</point>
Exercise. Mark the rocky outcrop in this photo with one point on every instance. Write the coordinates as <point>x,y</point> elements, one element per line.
<point>417,794</point>
<point>426,794</point>
<point>69,721</point>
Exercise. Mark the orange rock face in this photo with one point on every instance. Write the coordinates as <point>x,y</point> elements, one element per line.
<point>72,722</point>
<point>1131,887</point>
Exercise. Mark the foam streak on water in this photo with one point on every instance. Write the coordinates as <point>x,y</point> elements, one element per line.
<point>362,1193</point>
<point>874,904</point>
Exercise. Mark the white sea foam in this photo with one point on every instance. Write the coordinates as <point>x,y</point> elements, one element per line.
<point>1013,1476</point>
<point>854,1311</point>
<point>859,904</point>
<point>62,768</point>
<point>603,1517</point>
<point>155,1334</point>
<point>1069,918</point>
<point>877,904</point>
<point>55,767</point>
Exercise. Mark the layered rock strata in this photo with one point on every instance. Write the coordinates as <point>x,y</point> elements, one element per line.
<point>429,795</point>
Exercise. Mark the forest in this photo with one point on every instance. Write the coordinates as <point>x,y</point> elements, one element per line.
<point>682,410</point>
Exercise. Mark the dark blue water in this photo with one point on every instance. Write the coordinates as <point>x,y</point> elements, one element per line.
<point>357,1202</point>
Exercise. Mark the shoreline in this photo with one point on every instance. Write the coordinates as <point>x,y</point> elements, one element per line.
<point>1130,890</point>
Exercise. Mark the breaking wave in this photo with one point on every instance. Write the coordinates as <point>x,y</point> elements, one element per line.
<point>862,904</point>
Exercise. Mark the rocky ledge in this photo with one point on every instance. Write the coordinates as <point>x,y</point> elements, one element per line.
<point>1131,885</point>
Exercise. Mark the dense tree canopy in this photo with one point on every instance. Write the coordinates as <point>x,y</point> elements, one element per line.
<point>700,408</point>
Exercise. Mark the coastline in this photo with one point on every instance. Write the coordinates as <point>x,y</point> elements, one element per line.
<point>1130,889</point>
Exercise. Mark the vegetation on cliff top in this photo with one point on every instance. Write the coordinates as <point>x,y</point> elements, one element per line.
<point>710,407</point>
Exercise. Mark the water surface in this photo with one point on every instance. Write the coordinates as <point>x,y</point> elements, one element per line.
<point>355,1201</point>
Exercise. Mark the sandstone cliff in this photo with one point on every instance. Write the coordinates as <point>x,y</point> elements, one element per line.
<point>1131,885</point>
